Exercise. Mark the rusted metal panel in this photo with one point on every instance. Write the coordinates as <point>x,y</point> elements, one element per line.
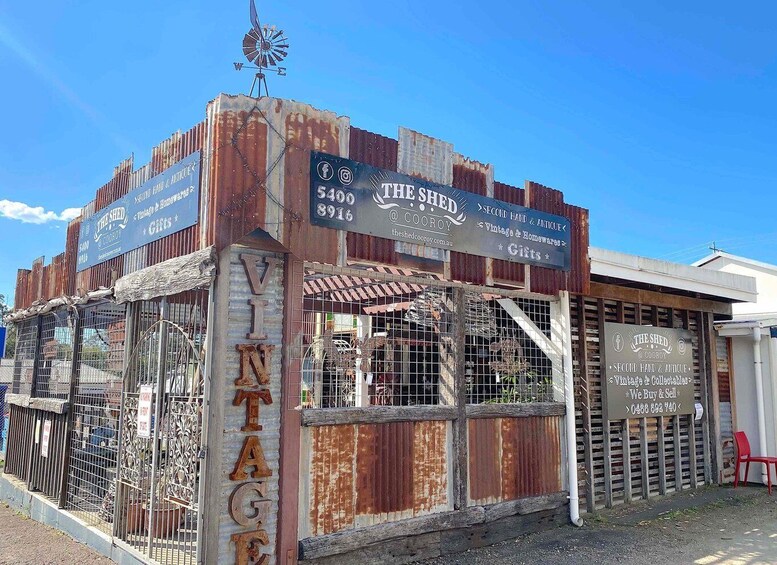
<point>21,293</point>
<point>60,276</point>
<point>536,468</point>
<point>477,178</point>
<point>430,467</point>
<point>382,152</point>
<point>550,281</point>
<point>512,458</point>
<point>507,270</point>
<point>332,479</point>
<point>71,257</point>
<point>425,157</point>
<point>384,468</point>
<point>238,173</point>
<point>484,456</point>
<point>368,474</point>
<point>579,276</point>
<point>304,133</point>
<point>36,290</point>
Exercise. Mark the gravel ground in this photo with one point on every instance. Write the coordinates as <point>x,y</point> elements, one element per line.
<point>728,530</point>
<point>26,542</point>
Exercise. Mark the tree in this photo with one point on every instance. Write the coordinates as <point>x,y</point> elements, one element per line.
<point>10,336</point>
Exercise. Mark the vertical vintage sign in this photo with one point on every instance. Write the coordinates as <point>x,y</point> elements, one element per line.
<point>252,414</point>
<point>648,372</point>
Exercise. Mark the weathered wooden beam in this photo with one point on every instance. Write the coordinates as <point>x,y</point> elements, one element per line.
<point>714,404</point>
<point>377,415</point>
<point>704,378</point>
<point>179,274</point>
<point>661,456</point>
<point>625,429</point>
<point>585,408</point>
<point>525,505</point>
<point>353,540</point>
<point>516,410</point>
<point>460,428</point>
<point>678,454</point>
<point>605,422</point>
<point>639,296</point>
<point>55,405</point>
<point>350,540</point>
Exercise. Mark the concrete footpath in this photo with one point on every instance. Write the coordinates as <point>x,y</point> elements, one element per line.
<point>711,526</point>
<point>24,541</point>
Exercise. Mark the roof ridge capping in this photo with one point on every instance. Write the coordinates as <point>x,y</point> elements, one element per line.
<point>738,288</point>
<point>738,258</point>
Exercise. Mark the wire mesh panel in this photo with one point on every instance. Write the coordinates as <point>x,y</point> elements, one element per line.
<point>159,460</point>
<point>95,414</point>
<point>503,362</point>
<point>394,337</point>
<point>55,355</point>
<point>24,359</point>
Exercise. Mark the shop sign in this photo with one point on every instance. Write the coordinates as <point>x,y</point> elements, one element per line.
<point>144,410</point>
<point>648,372</point>
<point>248,504</point>
<point>165,204</point>
<point>44,442</point>
<point>352,196</point>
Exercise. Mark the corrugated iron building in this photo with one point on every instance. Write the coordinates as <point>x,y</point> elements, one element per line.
<point>320,394</point>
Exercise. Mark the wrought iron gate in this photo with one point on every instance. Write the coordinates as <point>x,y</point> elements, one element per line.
<point>157,508</point>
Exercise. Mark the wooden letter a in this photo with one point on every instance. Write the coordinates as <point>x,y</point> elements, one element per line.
<point>252,455</point>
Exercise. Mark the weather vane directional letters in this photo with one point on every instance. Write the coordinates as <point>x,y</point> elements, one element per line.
<point>265,47</point>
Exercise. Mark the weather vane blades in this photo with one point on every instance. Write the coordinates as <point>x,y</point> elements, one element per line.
<point>255,17</point>
<point>265,47</point>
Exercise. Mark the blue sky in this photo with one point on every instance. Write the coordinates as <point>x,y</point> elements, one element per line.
<point>659,117</point>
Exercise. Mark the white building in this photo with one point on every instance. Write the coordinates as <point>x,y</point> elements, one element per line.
<point>753,356</point>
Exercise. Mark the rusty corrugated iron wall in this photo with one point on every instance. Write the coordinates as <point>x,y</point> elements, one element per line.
<point>381,152</point>
<point>578,279</point>
<point>368,474</point>
<point>255,176</point>
<point>60,276</point>
<point>470,176</point>
<point>513,458</point>
<point>507,270</point>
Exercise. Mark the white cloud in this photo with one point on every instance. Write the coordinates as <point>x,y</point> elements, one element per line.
<point>69,214</point>
<point>35,214</point>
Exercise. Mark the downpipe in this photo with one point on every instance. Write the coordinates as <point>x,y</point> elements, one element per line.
<point>569,399</point>
<point>759,397</point>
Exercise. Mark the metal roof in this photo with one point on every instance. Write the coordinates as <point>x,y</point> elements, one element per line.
<point>665,274</point>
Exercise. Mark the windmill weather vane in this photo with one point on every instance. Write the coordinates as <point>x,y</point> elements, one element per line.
<point>265,47</point>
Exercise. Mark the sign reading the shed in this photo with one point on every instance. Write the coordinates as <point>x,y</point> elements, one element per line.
<point>352,196</point>
<point>648,372</point>
<point>165,204</point>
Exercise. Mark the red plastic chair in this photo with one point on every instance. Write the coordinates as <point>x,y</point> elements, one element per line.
<point>744,456</point>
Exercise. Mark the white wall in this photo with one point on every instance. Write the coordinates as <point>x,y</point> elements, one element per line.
<point>766,283</point>
<point>745,399</point>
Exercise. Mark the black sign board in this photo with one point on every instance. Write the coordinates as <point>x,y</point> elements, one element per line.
<point>352,196</point>
<point>649,371</point>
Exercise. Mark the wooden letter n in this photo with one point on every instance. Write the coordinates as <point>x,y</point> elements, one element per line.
<point>254,359</point>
